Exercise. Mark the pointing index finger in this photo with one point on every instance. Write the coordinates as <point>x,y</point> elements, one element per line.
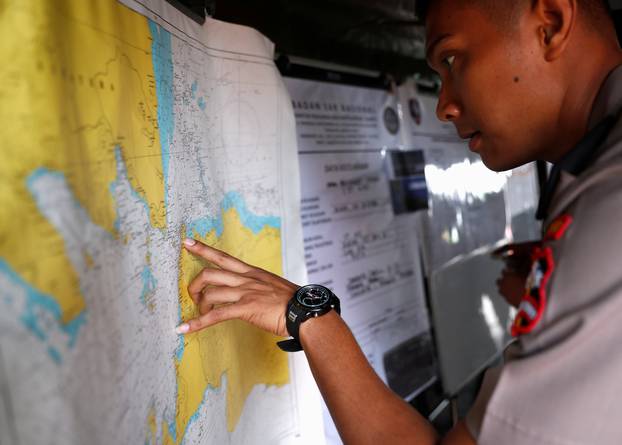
<point>214,316</point>
<point>217,257</point>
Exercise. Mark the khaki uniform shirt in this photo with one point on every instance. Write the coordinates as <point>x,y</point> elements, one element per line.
<point>562,379</point>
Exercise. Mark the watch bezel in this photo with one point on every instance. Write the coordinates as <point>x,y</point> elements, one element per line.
<point>297,313</point>
<point>315,310</point>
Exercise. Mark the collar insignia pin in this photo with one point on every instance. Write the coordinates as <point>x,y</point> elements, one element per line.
<point>558,228</point>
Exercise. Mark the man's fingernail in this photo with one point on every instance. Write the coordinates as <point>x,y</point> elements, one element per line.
<point>190,242</point>
<point>182,328</point>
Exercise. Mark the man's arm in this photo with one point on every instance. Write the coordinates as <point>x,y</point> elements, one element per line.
<point>365,410</point>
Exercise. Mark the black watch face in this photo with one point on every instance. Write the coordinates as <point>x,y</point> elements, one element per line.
<point>313,296</point>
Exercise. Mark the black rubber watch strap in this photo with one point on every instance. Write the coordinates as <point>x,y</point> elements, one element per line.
<point>290,345</point>
<point>292,321</point>
<point>293,318</point>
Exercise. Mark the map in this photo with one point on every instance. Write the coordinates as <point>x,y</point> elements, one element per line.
<point>125,129</point>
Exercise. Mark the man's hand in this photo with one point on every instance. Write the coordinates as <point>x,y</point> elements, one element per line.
<point>236,290</point>
<point>365,410</point>
<point>511,286</point>
<point>517,258</point>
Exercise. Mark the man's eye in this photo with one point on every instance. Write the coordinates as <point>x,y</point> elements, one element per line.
<point>449,61</point>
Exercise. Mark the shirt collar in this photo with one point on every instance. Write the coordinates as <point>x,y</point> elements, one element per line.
<point>603,117</point>
<point>575,161</point>
<point>606,106</point>
<point>586,151</point>
<point>609,98</point>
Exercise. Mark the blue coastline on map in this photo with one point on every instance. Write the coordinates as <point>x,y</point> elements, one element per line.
<point>53,352</point>
<point>149,284</point>
<point>162,59</point>
<point>148,279</point>
<point>201,103</point>
<point>122,175</point>
<point>172,425</point>
<point>163,69</point>
<point>232,200</point>
<point>209,390</point>
<point>38,299</point>
<point>34,300</point>
<point>202,227</point>
<point>180,349</point>
<point>38,303</point>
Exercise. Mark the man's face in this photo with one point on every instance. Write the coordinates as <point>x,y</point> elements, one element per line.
<point>497,88</point>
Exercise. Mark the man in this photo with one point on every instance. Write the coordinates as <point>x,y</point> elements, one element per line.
<point>523,80</point>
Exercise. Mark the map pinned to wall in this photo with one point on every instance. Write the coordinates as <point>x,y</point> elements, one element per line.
<point>125,129</point>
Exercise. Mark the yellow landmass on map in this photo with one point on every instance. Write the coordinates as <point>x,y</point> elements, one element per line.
<point>78,85</point>
<point>79,88</point>
<point>247,355</point>
<point>152,425</point>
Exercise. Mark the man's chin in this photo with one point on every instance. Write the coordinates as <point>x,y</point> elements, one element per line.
<point>499,164</point>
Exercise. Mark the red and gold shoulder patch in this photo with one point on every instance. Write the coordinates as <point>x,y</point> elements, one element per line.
<point>558,228</point>
<point>534,301</point>
<point>533,304</point>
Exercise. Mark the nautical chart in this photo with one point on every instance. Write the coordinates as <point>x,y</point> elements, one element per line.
<point>126,128</point>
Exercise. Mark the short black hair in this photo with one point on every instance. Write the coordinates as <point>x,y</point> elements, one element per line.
<point>421,9</point>
<point>595,8</point>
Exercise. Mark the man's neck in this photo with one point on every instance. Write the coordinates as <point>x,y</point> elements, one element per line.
<point>579,100</point>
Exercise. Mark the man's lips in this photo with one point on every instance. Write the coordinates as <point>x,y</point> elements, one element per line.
<point>475,139</point>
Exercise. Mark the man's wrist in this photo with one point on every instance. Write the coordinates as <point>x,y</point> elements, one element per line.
<point>314,327</point>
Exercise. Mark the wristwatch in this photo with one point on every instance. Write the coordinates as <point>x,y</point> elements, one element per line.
<point>308,302</point>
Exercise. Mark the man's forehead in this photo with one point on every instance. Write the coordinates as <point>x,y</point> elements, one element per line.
<point>452,17</point>
<point>443,14</point>
<point>444,19</point>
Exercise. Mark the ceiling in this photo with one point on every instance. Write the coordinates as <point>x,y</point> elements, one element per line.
<point>383,36</point>
<point>378,35</point>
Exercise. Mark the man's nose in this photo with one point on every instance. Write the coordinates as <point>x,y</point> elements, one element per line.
<point>447,109</point>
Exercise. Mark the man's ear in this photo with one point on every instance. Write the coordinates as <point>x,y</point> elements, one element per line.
<point>556,19</point>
